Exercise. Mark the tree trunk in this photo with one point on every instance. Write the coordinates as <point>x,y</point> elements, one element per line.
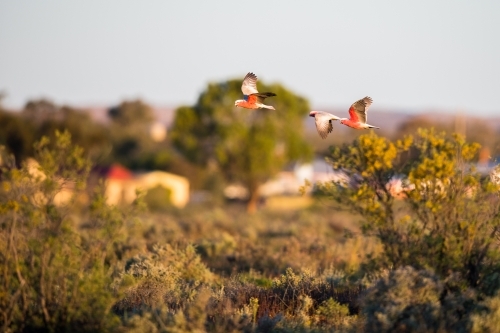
<point>253,201</point>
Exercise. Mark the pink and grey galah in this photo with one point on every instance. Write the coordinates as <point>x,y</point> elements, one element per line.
<point>253,99</point>
<point>357,117</point>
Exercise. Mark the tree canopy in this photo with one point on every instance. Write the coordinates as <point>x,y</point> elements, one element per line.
<point>247,146</point>
<point>19,130</point>
<point>129,113</point>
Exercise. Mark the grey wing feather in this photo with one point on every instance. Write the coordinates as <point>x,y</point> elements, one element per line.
<point>249,85</point>
<point>324,123</point>
<point>262,96</point>
<point>361,107</point>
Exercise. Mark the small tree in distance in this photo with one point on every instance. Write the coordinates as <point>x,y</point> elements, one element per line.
<point>246,146</point>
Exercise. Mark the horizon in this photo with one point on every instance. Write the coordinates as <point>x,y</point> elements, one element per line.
<point>332,108</point>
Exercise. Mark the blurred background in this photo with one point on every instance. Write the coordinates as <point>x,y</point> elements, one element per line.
<point>116,73</point>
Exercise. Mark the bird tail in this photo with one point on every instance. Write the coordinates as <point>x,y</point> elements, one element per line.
<point>265,94</point>
<point>270,107</point>
<point>371,126</point>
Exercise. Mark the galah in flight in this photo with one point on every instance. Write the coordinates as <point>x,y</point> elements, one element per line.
<point>357,117</point>
<point>253,99</point>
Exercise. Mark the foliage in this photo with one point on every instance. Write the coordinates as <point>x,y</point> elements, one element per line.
<point>16,135</point>
<point>130,135</point>
<point>488,320</point>
<point>247,146</point>
<point>46,117</point>
<point>55,278</point>
<point>475,129</point>
<point>408,300</point>
<point>125,139</point>
<point>158,198</point>
<point>332,313</point>
<point>166,276</point>
<point>443,216</point>
<point>233,286</point>
<point>20,130</point>
<point>131,113</point>
<point>71,262</point>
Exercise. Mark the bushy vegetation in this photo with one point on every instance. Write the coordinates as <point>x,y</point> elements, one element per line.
<point>55,250</point>
<point>408,300</point>
<point>363,257</point>
<point>448,215</point>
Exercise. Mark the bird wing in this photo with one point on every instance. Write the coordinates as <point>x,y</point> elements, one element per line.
<point>357,111</point>
<point>324,123</point>
<point>259,97</point>
<point>249,85</point>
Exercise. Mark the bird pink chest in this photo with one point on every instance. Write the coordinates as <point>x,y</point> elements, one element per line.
<point>247,105</point>
<point>352,124</point>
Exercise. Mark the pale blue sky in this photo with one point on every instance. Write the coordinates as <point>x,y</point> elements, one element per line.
<point>407,55</point>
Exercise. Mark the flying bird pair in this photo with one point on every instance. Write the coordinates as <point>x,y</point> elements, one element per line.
<point>357,117</point>
<point>357,112</point>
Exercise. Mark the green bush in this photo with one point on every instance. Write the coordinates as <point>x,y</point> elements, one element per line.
<point>445,215</point>
<point>55,277</point>
<point>333,314</point>
<point>488,320</point>
<point>408,300</point>
<point>158,198</point>
<point>165,276</point>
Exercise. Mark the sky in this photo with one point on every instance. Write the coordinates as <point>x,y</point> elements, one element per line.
<point>410,56</point>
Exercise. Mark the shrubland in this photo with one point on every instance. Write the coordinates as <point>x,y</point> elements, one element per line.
<point>366,256</point>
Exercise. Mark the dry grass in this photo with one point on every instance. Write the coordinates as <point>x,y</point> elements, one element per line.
<point>281,203</point>
<point>269,242</point>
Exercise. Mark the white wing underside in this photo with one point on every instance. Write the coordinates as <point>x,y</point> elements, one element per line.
<point>324,123</point>
<point>249,85</point>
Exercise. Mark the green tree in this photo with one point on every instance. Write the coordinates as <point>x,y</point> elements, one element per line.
<point>20,130</point>
<point>130,134</point>
<point>40,110</point>
<point>248,146</point>
<point>17,135</point>
<point>131,113</point>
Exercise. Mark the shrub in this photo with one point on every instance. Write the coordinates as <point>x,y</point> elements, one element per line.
<point>445,215</point>
<point>333,314</point>
<point>54,277</point>
<point>165,276</point>
<point>158,198</point>
<point>408,300</point>
<point>488,320</point>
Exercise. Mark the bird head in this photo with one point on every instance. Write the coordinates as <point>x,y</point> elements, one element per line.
<point>342,120</point>
<point>237,102</point>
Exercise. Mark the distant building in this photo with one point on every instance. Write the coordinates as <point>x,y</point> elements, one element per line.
<point>158,132</point>
<point>62,197</point>
<point>290,180</point>
<point>121,185</point>
<point>178,185</point>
